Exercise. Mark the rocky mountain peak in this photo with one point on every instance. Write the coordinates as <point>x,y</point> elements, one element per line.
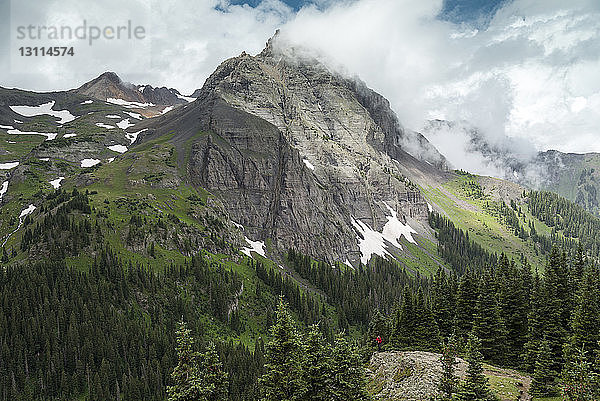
<point>300,155</point>
<point>110,86</point>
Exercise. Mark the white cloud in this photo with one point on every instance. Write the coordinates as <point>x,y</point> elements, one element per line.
<point>531,75</point>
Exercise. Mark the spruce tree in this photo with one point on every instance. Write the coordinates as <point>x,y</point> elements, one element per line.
<point>316,362</point>
<point>535,325</point>
<point>557,307</point>
<point>378,327</point>
<point>214,381</point>
<point>186,375</point>
<point>404,325</point>
<point>513,289</point>
<point>579,381</point>
<point>466,301</point>
<point>487,325</point>
<point>443,302</point>
<point>348,381</point>
<point>425,334</point>
<point>475,386</point>
<point>585,323</point>
<point>542,384</point>
<point>282,378</point>
<point>448,381</point>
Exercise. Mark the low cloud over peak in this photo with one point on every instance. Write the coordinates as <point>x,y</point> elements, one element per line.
<point>530,73</point>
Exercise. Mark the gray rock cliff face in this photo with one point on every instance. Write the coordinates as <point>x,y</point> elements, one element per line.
<point>296,152</point>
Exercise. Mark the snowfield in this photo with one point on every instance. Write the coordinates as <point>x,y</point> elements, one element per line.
<point>89,162</point>
<point>49,135</point>
<point>124,124</point>
<point>3,189</point>
<point>56,183</point>
<point>132,136</point>
<point>118,148</point>
<point>372,242</point>
<point>8,166</point>
<point>255,246</point>
<point>46,108</point>
<point>130,105</point>
<point>102,125</point>
<point>308,164</point>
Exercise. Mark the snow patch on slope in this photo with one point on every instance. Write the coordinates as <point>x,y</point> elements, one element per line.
<point>56,183</point>
<point>134,115</point>
<point>132,136</point>
<point>130,105</point>
<point>89,162</point>
<point>371,242</point>
<point>27,211</point>
<point>255,246</point>
<point>46,108</point>
<point>308,164</point>
<point>102,125</point>
<point>8,166</point>
<point>186,98</point>
<point>124,124</point>
<point>49,135</point>
<point>3,189</point>
<point>394,229</point>
<point>118,148</point>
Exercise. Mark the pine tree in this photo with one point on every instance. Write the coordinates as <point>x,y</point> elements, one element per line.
<point>282,378</point>
<point>542,384</point>
<point>579,382</point>
<point>585,323</point>
<point>466,301</point>
<point>404,325</point>
<point>214,381</point>
<point>475,386</point>
<point>448,382</point>
<point>186,384</point>
<point>557,308</point>
<point>487,324</point>
<point>425,334</point>
<point>316,362</point>
<point>348,374</point>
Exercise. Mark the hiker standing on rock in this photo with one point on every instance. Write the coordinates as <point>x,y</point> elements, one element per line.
<point>379,341</point>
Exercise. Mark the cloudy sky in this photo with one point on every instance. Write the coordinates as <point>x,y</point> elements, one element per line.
<point>528,70</point>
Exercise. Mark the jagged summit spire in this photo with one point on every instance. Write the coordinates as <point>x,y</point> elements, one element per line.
<point>268,50</point>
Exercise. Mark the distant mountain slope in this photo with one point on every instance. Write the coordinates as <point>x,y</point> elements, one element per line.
<point>572,175</point>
